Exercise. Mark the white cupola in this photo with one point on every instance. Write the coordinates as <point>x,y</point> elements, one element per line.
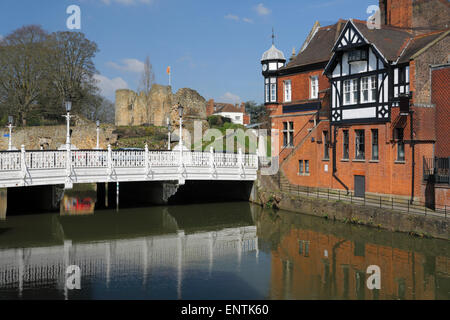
<point>272,60</point>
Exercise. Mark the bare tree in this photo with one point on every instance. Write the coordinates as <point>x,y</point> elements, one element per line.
<point>71,72</point>
<point>148,77</point>
<point>147,80</point>
<point>23,57</point>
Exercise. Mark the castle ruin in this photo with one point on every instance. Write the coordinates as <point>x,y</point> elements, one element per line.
<point>136,109</point>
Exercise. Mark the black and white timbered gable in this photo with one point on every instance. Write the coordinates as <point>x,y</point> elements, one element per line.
<point>361,79</point>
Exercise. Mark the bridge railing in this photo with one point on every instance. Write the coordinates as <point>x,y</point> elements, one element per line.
<point>10,161</point>
<point>57,159</point>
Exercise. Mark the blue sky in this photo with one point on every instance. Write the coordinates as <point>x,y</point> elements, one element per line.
<point>213,46</point>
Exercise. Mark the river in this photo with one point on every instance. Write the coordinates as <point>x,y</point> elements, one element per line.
<point>230,250</point>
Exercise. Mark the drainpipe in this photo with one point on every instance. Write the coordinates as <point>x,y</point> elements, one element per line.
<point>334,159</point>
<point>413,164</point>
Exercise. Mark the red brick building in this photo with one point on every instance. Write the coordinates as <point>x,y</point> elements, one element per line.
<point>354,108</point>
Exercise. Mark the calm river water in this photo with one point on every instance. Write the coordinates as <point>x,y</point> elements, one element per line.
<point>212,251</point>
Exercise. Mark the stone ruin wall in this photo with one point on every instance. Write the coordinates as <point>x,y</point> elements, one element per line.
<point>135,109</point>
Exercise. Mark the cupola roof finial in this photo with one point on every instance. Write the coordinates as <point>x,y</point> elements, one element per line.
<point>273,37</point>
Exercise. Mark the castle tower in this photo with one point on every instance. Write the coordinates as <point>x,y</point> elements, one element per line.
<point>125,105</point>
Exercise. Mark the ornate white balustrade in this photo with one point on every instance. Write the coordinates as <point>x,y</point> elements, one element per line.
<point>44,167</point>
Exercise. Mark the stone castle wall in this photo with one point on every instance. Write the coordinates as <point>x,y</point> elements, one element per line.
<point>135,109</point>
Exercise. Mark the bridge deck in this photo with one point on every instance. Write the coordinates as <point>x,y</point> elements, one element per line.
<point>32,168</point>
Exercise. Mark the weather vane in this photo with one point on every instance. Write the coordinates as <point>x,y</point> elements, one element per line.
<point>273,37</point>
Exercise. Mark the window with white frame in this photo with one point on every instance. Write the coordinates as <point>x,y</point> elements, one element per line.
<point>368,89</point>
<point>266,89</point>
<point>287,91</point>
<point>273,90</point>
<point>288,134</point>
<point>351,93</point>
<point>314,87</point>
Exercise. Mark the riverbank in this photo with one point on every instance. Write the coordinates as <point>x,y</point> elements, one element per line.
<point>266,193</point>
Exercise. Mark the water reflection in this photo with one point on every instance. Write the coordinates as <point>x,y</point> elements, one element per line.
<point>135,253</point>
<point>212,251</point>
<point>77,205</point>
<point>318,259</point>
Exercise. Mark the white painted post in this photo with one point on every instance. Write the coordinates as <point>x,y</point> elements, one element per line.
<point>23,164</point>
<point>147,161</point>
<point>68,183</point>
<point>10,126</point>
<point>109,160</point>
<point>211,162</point>
<point>241,163</point>
<point>98,138</point>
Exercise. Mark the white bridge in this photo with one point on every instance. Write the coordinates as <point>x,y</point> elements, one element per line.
<point>49,167</point>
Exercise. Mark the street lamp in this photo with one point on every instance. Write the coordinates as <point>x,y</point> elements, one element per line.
<point>10,126</point>
<point>180,143</point>
<point>180,113</point>
<point>67,146</point>
<point>98,134</point>
<point>169,127</point>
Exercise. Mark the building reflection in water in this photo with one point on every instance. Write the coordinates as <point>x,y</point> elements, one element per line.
<point>313,258</point>
<point>240,250</point>
<point>72,205</point>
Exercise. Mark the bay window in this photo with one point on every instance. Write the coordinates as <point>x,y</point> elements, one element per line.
<point>273,89</point>
<point>351,93</point>
<point>368,89</point>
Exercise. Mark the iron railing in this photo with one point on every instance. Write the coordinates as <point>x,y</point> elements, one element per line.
<point>369,200</point>
<point>436,169</point>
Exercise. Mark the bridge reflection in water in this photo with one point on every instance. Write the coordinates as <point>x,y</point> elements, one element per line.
<point>109,246</point>
<point>214,251</point>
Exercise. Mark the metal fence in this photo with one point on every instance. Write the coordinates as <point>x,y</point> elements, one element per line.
<point>383,202</point>
<point>436,169</point>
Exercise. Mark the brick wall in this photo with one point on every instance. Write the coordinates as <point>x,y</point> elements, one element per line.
<point>440,89</point>
<point>429,15</point>
<point>437,54</point>
<point>418,16</point>
<point>300,85</point>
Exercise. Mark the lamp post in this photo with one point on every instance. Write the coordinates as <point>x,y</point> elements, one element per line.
<point>98,134</point>
<point>180,143</point>
<point>10,126</point>
<point>67,145</point>
<point>169,127</point>
<point>67,116</point>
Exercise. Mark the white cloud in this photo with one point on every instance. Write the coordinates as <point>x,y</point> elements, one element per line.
<point>108,86</point>
<point>236,18</point>
<point>261,10</point>
<point>230,98</point>
<point>128,65</point>
<point>232,17</point>
<point>127,2</point>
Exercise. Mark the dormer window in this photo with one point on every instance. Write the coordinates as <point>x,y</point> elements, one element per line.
<point>357,55</point>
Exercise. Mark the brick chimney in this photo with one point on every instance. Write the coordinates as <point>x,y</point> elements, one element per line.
<point>242,107</point>
<point>210,107</point>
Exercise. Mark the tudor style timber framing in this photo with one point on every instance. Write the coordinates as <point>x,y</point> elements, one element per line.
<point>346,78</point>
